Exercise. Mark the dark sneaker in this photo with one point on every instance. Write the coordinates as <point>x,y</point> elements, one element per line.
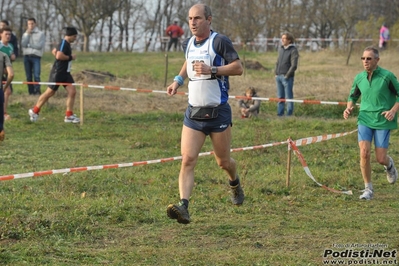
<point>179,212</point>
<point>237,194</point>
<point>2,135</point>
<point>392,173</point>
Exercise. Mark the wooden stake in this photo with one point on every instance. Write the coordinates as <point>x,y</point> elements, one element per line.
<point>166,69</point>
<point>288,166</point>
<point>81,105</point>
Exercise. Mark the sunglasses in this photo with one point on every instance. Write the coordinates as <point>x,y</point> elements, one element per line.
<point>366,58</point>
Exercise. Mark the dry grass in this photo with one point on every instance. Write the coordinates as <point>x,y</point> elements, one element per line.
<point>321,76</point>
<point>121,219</point>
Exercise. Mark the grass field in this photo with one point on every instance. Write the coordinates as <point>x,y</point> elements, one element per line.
<point>118,216</point>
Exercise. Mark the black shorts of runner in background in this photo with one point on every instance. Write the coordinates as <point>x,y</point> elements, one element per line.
<point>60,78</point>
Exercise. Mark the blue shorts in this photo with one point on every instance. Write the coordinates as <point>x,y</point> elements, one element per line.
<point>218,124</point>
<point>381,136</point>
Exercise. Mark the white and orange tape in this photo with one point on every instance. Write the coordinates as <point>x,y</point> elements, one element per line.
<point>121,165</point>
<point>116,88</point>
<point>291,144</point>
<point>307,171</point>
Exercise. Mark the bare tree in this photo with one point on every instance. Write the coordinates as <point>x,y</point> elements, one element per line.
<point>41,10</point>
<point>86,14</point>
<point>122,24</point>
<point>136,24</point>
<point>5,7</point>
<point>101,37</point>
<point>349,17</point>
<point>254,24</point>
<point>128,21</point>
<point>152,24</point>
<point>2,3</point>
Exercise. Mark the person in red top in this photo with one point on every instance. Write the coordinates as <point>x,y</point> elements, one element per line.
<point>174,31</point>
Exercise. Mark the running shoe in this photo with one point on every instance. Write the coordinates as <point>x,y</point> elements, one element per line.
<point>178,212</point>
<point>72,119</point>
<point>392,173</point>
<point>33,116</point>
<point>367,194</point>
<point>237,194</point>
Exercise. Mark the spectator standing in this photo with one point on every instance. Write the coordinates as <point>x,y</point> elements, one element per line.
<point>286,65</point>
<point>7,48</point>
<point>379,90</point>
<point>13,40</point>
<point>174,32</point>
<point>384,36</point>
<point>210,60</point>
<point>5,69</point>
<point>60,73</point>
<point>249,107</point>
<point>33,42</point>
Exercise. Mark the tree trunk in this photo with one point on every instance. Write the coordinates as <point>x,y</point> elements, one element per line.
<point>120,39</point>
<point>100,47</point>
<point>109,34</point>
<point>86,41</point>
<point>148,43</point>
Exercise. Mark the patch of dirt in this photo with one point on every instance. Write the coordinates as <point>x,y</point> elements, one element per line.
<point>251,64</point>
<point>93,77</point>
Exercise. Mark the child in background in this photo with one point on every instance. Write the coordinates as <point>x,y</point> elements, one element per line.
<point>249,107</point>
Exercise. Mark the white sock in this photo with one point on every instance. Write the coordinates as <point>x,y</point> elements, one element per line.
<point>369,186</point>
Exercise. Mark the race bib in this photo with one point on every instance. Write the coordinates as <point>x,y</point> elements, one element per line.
<point>191,60</point>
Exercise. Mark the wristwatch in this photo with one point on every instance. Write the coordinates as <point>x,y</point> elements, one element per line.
<point>214,70</point>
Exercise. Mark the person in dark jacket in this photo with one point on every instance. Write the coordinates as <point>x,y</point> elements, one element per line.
<point>287,63</point>
<point>14,40</point>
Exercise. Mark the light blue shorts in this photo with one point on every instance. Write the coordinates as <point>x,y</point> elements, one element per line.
<point>381,136</point>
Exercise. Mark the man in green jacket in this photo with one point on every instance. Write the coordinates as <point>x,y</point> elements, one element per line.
<point>379,90</point>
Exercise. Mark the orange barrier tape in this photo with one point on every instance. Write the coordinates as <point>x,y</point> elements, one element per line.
<point>291,143</point>
<point>307,171</point>
<point>116,88</point>
<point>100,167</point>
<point>310,140</point>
